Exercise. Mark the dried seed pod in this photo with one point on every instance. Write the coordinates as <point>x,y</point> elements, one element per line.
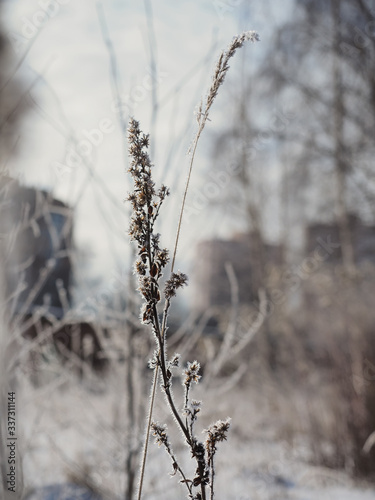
<point>154,270</point>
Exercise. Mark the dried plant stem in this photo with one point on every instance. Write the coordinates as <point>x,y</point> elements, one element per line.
<point>152,259</point>
<point>148,427</point>
<point>195,144</point>
<point>202,114</point>
<point>212,468</point>
<point>162,359</point>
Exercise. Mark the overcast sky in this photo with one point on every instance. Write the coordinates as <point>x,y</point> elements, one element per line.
<point>74,108</point>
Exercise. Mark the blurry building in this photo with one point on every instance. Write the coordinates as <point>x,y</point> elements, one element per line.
<point>38,233</point>
<point>362,237</point>
<point>211,282</point>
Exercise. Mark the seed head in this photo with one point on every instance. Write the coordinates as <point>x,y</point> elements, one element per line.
<point>192,373</point>
<point>177,280</point>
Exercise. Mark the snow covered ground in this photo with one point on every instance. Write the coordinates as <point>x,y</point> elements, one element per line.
<point>68,431</point>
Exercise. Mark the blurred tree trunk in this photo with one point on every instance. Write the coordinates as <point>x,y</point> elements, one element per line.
<point>340,161</point>
<point>252,209</point>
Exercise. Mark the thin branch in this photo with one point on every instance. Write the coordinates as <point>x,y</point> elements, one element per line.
<point>25,93</point>
<point>21,60</point>
<point>115,77</point>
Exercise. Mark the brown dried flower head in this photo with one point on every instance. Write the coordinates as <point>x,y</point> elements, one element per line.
<point>177,280</point>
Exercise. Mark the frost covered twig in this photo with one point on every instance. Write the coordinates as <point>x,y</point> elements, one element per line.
<point>149,266</point>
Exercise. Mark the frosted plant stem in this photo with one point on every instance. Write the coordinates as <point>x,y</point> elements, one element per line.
<point>185,194</point>
<point>145,449</point>
<point>212,479</point>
